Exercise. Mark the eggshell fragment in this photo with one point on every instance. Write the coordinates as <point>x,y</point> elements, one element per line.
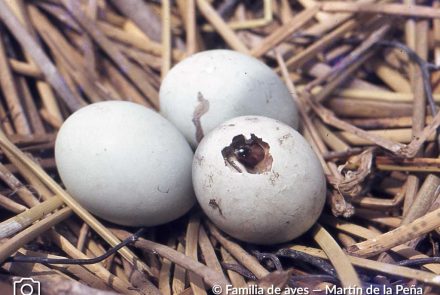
<point>125,163</point>
<point>258,180</point>
<point>210,87</point>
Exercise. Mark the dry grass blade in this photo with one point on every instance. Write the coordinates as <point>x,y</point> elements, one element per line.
<point>10,93</point>
<point>426,196</point>
<point>166,38</point>
<point>191,250</point>
<point>137,75</point>
<point>328,117</point>
<point>380,267</point>
<point>209,276</point>
<point>307,54</point>
<point>414,164</point>
<point>25,219</point>
<point>390,9</point>
<point>98,269</point>
<point>80,211</point>
<point>26,69</point>
<point>10,246</point>
<point>142,15</point>
<point>339,259</point>
<point>39,57</point>
<point>236,279</point>
<point>398,236</point>
<point>368,79</point>
<point>284,31</point>
<point>193,37</point>
<point>248,24</point>
<point>10,205</point>
<point>364,233</point>
<point>34,270</point>
<point>179,275</point>
<point>78,271</point>
<point>165,273</point>
<point>208,252</point>
<point>247,260</point>
<point>223,29</point>
<point>56,286</point>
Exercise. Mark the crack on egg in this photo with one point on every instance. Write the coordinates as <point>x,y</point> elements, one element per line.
<point>201,109</point>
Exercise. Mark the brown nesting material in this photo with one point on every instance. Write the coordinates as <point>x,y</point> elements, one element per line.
<point>363,72</point>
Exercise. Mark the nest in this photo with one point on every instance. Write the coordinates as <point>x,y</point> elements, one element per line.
<point>367,87</point>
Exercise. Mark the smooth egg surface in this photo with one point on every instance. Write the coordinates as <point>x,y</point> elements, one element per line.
<point>125,163</point>
<point>213,86</point>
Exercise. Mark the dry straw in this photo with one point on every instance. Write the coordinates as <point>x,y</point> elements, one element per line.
<point>366,94</point>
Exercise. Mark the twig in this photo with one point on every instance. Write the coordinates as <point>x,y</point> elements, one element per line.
<point>412,187</point>
<point>138,280</point>
<point>308,53</point>
<point>424,68</point>
<point>10,92</point>
<point>192,237</point>
<point>25,69</point>
<point>208,251</point>
<point>17,187</point>
<point>10,205</point>
<point>227,7</point>
<point>319,278</point>
<point>380,267</point>
<point>284,31</point>
<point>240,270</point>
<point>398,236</point>
<point>193,37</point>
<point>135,40</point>
<point>39,57</point>
<point>310,259</point>
<point>419,261</point>
<point>249,24</point>
<point>209,276</point>
<point>165,271</point>
<point>133,72</point>
<point>388,9</point>
<point>27,235</point>
<point>236,279</point>
<point>26,259</point>
<point>247,260</point>
<point>179,275</point>
<point>41,175</point>
<point>166,37</point>
<point>19,222</point>
<point>342,77</point>
<point>354,55</point>
<point>222,28</point>
<point>100,271</point>
<point>330,138</point>
<point>268,256</point>
<point>77,270</point>
<point>142,15</point>
<point>343,266</point>
<point>56,286</point>
<point>70,59</point>
<point>424,199</point>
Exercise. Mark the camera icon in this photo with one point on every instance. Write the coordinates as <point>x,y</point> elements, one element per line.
<point>26,286</point>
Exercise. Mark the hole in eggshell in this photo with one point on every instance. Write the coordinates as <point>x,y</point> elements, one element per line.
<point>251,155</point>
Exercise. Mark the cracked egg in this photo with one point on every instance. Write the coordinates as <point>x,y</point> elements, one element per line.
<point>258,180</point>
